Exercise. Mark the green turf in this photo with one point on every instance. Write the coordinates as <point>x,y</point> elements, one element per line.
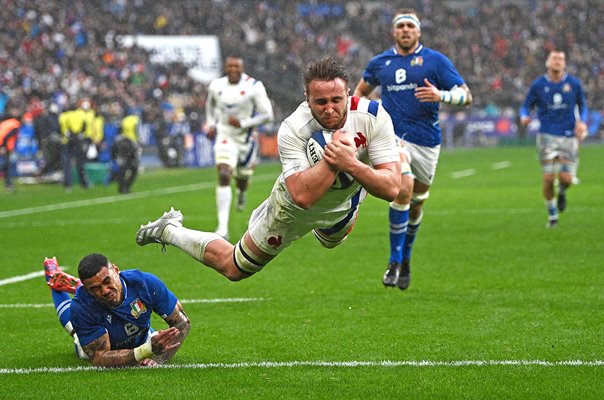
<point>489,283</point>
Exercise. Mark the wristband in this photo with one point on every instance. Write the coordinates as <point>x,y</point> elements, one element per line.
<point>456,96</point>
<point>143,351</point>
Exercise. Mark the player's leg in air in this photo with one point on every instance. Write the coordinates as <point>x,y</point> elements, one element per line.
<point>235,262</point>
<point>62,287</point>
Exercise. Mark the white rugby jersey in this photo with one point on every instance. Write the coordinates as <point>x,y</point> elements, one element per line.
<point>373,133</point>
<point>245,100</point>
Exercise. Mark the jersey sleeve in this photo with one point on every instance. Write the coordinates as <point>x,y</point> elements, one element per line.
<point>263,108</point>
<point>370,73</point>
<point>581,101</point>
<point>211,117</point>
<point>449,77</point>
<point>292,150</point>
<point>529,102</point>
<point>85,325</point>
<point>383,147</point>
<point>162,298</point>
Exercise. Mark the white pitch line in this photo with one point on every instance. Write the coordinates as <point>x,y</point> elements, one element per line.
<point>501,165</point>
<point>184,301</point>
<point>326,364</point>
<point>21,278</point>
<point>118,198</point>
<point>463,173</point>
<point>227,300</point>
<point>25,277</point>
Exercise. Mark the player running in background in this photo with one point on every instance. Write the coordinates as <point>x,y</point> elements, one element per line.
<point>562,112</point>
<point>303,198</point>
<point>413,80</point>
<point>110,315</point>
<point>236,104</point>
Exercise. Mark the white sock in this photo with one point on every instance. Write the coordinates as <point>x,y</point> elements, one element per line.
<point>224,196</point>
<point>188,240</point>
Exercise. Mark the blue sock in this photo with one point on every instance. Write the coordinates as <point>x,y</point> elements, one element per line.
<point>552,209</point>
<point>62,302</point>
<point>398,218</point>
<point>411,234</point>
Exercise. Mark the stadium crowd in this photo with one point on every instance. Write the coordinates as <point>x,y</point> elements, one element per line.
<point>61,51</point>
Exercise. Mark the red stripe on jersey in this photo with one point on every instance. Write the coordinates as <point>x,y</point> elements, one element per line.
<point>354,103</point>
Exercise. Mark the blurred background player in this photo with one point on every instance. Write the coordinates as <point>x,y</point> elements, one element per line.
<point>126,153</point>
<point>48,135</point>
<point>110,315</point>
<point>74,125</point>
<point>413,80</point>
<point>9,132</point>
<point>236,104</point>
<point>304,199</point>
<point>562,112</point>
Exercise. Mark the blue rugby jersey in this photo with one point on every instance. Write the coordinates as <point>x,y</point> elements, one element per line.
<point>398,77</point>
<point>128,324</point>
<point>556,103</point>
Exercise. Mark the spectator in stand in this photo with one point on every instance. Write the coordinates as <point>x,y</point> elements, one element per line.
<point>60,55</point>
<point>125,154</point>
<point>9,132</point>
<point>73,130</point>
<point>48,135</point>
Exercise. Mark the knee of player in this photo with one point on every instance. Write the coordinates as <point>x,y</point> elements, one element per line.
<point>327,241</point>
<point>224,180</point>
<point>235,275</point>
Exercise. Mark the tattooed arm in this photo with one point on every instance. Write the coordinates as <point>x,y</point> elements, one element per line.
<point>179,320</point>
<point>100,354</point>
<point>163,342</point>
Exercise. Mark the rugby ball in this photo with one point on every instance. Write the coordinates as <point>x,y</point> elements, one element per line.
<point>315,148</point>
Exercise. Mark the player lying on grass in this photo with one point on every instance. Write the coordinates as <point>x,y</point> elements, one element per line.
<point>361,157</point>
<point>110,315</point>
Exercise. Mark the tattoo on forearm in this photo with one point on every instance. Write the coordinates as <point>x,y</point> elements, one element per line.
<point>99,352</point>
<point>179,319</point>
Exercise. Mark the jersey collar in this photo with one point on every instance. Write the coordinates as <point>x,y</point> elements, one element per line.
<point>420,47</point>
<point>547,78</point>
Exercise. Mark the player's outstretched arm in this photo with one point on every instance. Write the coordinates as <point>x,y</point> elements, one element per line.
<point>100,354</point>
<point>179,320</point>
<point>163,342</point>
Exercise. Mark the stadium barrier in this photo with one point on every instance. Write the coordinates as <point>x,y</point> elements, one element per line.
<point>459,130</point>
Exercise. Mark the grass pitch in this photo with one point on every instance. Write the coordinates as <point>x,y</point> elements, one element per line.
<point>499,306</point>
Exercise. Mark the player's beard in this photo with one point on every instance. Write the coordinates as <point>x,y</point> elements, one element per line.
<point>406,48</point>
<point>113,302</point>
<point>331,123</point>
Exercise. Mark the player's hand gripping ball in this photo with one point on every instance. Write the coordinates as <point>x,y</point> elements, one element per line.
<point>315,148</point>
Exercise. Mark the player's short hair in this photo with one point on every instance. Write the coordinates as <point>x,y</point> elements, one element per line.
<point>326,69</point>
<point>91,265</point>
<point>239,59</point>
